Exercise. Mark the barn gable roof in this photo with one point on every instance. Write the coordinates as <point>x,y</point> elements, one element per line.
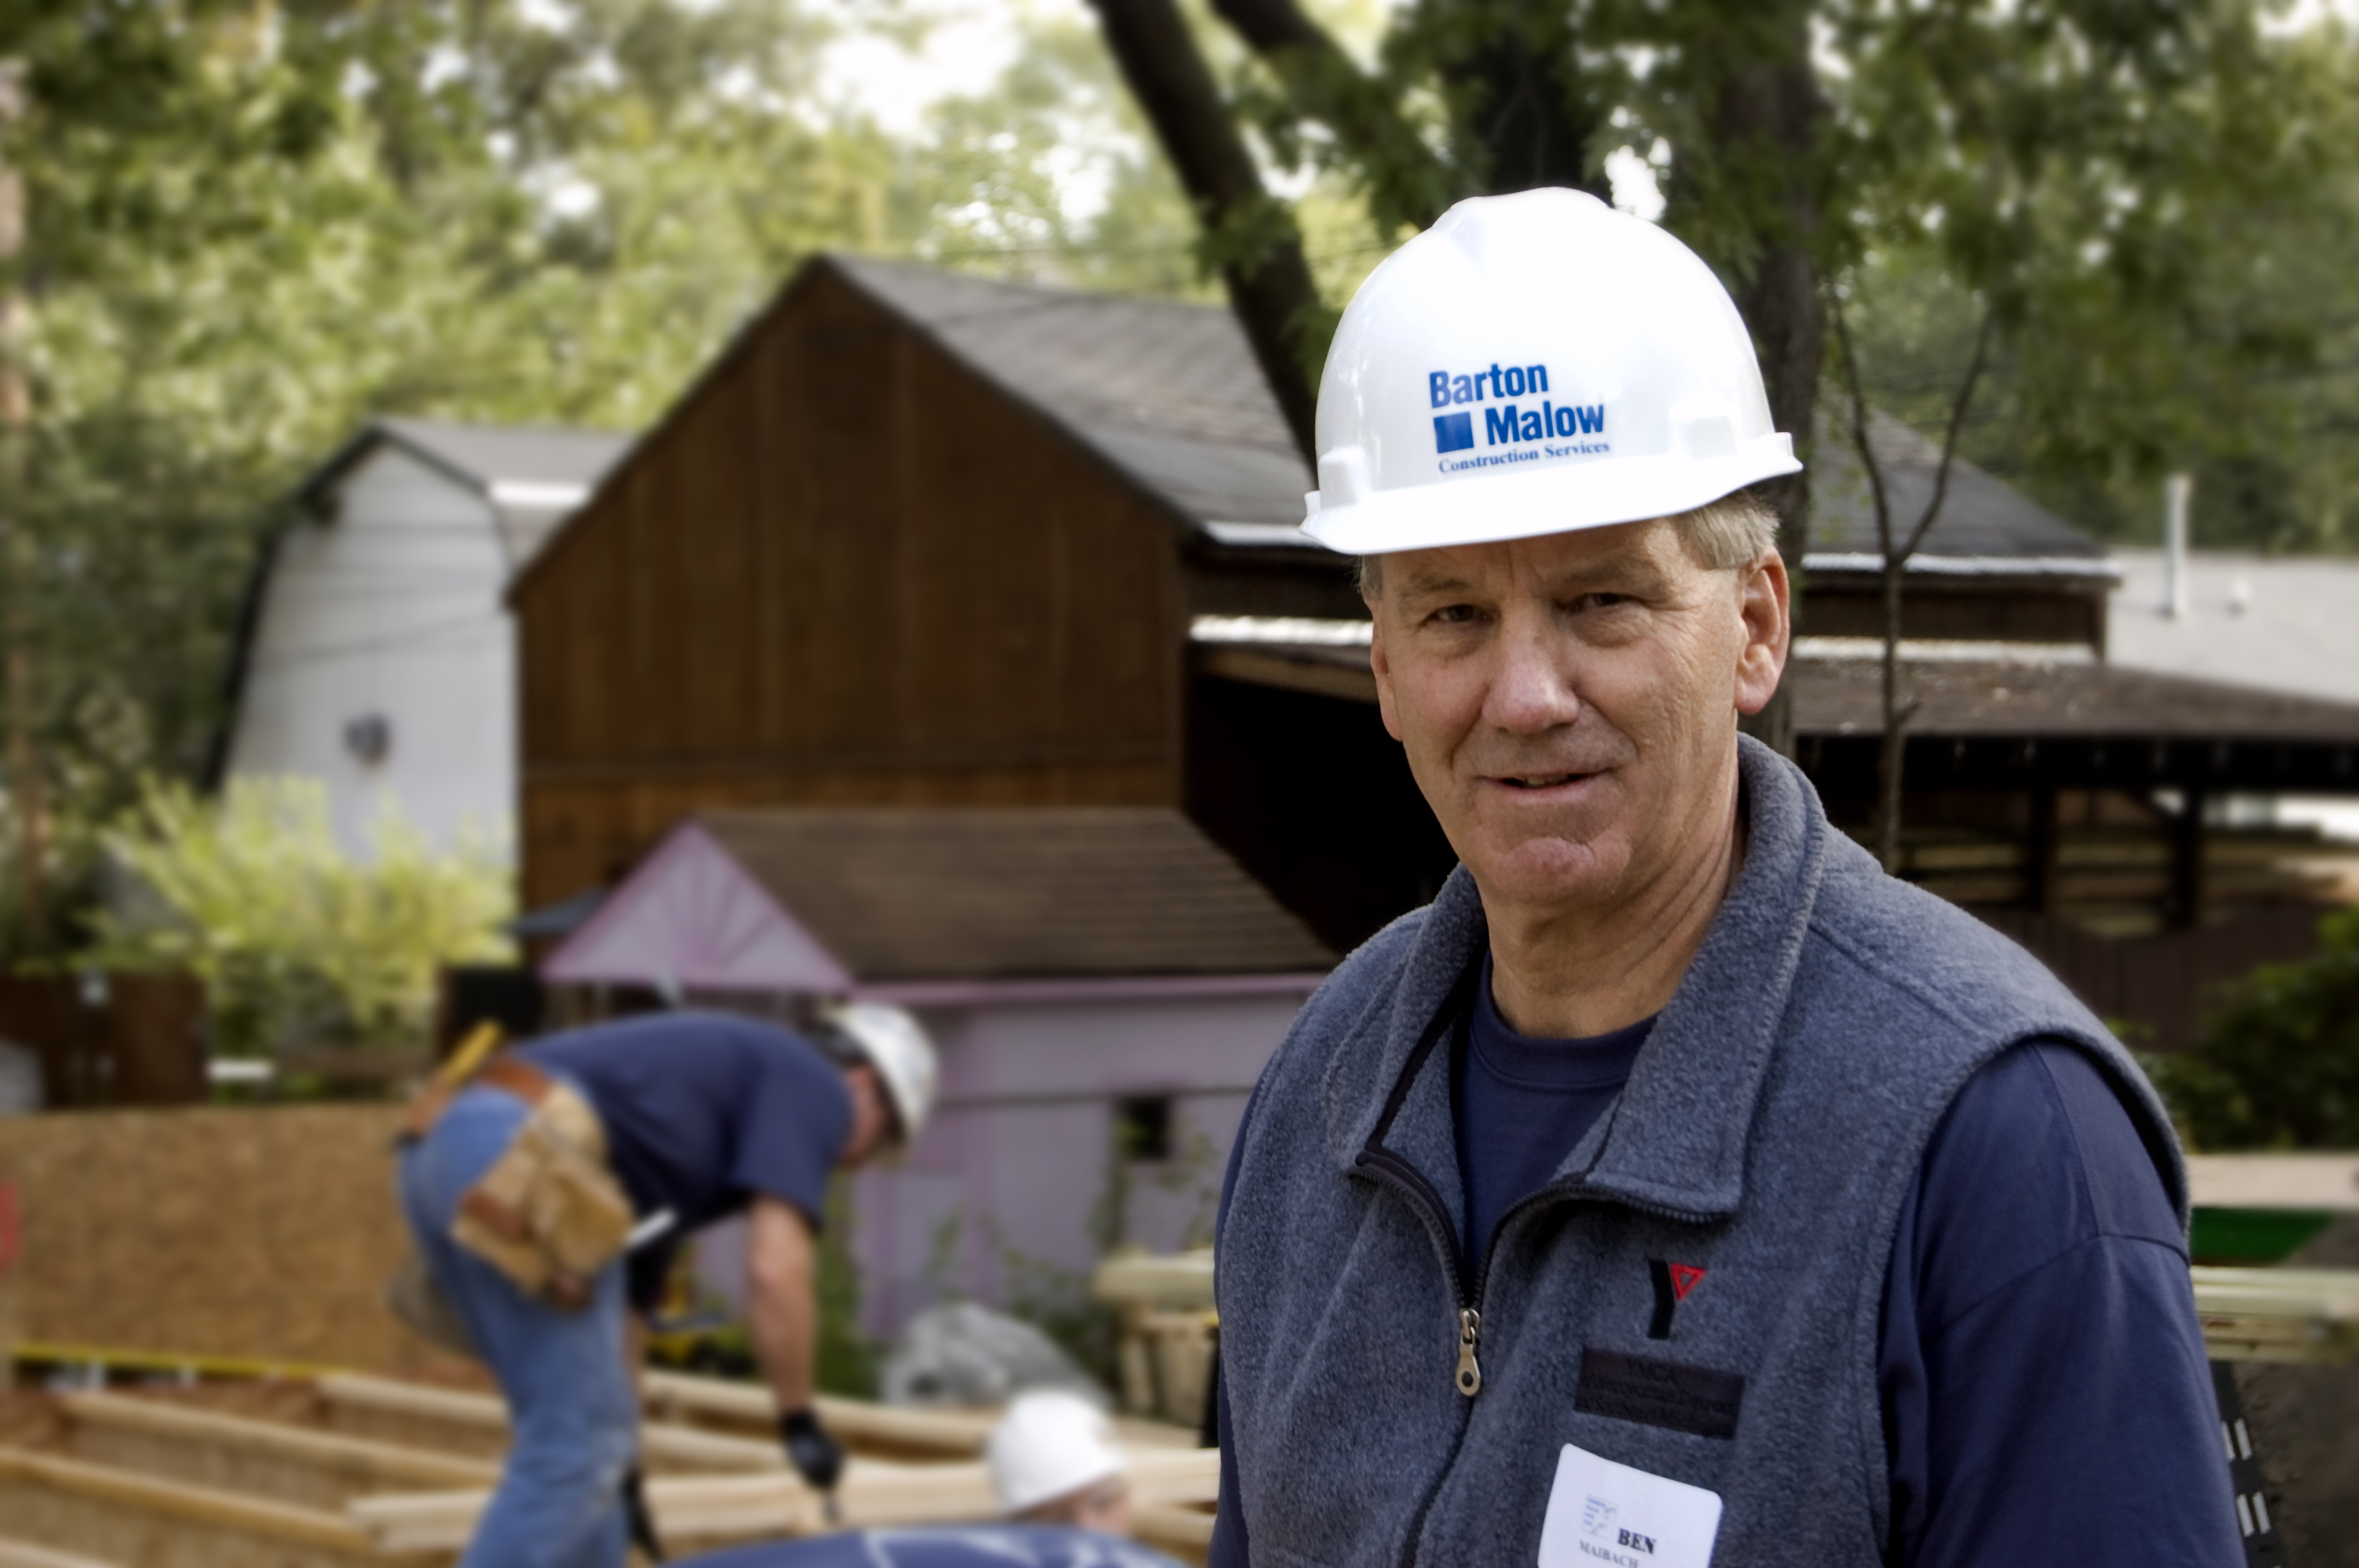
<point>532,477</point>
<point>820,899</point>
<point>1169,393</point>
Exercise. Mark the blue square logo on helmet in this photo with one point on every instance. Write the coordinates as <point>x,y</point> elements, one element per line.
<point>1453,432</point>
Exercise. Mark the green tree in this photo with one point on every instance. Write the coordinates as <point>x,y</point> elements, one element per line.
<point>298,944</point>
<point>2278,1064</point>
<point>253,224</point>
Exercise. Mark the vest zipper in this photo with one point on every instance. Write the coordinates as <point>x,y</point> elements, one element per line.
<point>1409,1181</point>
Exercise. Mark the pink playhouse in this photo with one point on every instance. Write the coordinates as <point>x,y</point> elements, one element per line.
<point>1105,985</point>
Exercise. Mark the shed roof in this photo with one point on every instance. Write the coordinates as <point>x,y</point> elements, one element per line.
<point>2282,622</point>
<point>800,898</point>
<point>531,476</point>
<point>1171,394</point>
<point>1983,521</point>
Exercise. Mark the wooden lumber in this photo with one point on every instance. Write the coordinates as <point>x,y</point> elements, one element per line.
<point>2278,1315</point>
<point>187,1505</point>
<point>2319,1183</point>
<point>661,1443</point>
<point>874,1494</point>
<point>1168,1280</point>
<point>24,1555</point>
<point>957,1434</point>
<point>381,1467</point>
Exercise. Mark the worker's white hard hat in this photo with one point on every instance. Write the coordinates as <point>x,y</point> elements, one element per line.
<point>895,1044</point>
<point>1532,364</point>
<point>1049,1445</point>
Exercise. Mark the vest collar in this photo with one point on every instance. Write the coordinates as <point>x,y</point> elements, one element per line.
<point>1675,1142</point>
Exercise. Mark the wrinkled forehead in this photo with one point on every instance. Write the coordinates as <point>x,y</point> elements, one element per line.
<point>1631,556</point>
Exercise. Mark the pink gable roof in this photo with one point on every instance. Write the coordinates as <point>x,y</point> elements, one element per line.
<point>690,916</point>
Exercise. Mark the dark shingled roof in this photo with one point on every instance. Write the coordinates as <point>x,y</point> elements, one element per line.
<point>1170,395</point>
<point>1956,697</point>
<point>1844,697</point>
<point>1167,393</point>
<point>908,894</point>
<point>1982,516</point>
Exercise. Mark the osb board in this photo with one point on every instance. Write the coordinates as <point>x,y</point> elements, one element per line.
<point>134,1538</point>
<point>261,1232</point>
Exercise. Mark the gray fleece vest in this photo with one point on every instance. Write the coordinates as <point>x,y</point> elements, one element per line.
<point>1696,1293</point>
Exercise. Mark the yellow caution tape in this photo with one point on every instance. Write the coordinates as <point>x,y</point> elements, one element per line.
<point>165,1361</point>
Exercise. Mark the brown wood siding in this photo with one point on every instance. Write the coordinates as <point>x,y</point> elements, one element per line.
<point>2018,611</point>
<point>845,572</point>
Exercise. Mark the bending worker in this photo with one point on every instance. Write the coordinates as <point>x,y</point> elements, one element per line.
<point>1677,1187</point>
<point>526,1186</point>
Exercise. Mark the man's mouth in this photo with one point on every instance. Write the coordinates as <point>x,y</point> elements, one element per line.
<point>1539,781</point>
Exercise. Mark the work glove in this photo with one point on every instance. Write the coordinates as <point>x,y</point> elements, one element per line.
<point>815,1456</point>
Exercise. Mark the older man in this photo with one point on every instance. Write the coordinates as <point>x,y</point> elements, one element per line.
<point>1677,1188</point>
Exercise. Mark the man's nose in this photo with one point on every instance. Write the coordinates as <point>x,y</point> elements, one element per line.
<point>1531,685</point>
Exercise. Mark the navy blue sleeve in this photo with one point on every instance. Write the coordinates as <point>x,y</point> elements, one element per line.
<point>793,1131</point>
<point>2046,1393</point>
<point>1229,1548</point>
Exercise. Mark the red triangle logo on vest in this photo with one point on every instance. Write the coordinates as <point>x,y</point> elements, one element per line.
<point>1685,1277</point>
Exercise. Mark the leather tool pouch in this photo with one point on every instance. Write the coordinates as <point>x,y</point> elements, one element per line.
<point>548,1214</point>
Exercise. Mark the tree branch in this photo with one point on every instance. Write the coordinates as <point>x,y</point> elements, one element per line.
<point>1949,438</point>
<point>1249,234</point>
<point>1858,412</point>
<point>1407,182</point>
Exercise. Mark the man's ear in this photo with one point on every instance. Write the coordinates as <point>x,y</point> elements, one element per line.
<point>1764,604</point>
<point>1382,669</point>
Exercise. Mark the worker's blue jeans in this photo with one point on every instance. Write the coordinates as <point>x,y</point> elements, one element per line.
<point>575,1413</point>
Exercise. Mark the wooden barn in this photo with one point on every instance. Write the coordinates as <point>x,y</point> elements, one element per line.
<point>922,539</point>
<point>917,538</point>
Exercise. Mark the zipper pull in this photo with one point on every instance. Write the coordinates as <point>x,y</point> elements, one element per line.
<point>1469,1375</point>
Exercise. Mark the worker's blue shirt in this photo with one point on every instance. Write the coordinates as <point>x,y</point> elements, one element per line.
<point>701,1112</point>
<point>2044,1401</point>
<point>977,1546</point>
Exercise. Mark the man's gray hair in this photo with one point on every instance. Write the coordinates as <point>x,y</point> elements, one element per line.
<point>1720,535</point>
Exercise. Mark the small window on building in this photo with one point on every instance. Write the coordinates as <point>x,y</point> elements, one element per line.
<point>1142,1129</point>
<point>369,738</point>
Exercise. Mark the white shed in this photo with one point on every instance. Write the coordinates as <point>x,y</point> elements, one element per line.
<point>376,652</point>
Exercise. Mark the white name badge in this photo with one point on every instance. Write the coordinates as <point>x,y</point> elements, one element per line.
<point>1604,1515</point>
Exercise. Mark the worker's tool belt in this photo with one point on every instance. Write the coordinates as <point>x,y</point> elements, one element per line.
<point>548,1214</point>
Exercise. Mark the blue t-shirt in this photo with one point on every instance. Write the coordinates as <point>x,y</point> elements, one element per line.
<point>2045,1389</point>
<point>702,1111</point>
<point>1532,1101</point>
<point>978,1546</point>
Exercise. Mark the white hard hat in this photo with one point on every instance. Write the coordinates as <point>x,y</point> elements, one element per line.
<point>1049,1445</point>
<point>895,1044</point>
<point>1532,364</point>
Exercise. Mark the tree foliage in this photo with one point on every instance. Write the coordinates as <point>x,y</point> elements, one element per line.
<point>2187,300</point>
<point>298,944</point>
<point>2278,1064</point>
<point>254,223</point>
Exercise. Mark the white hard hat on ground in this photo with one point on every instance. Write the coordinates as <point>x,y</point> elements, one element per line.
<point>1049,1445</point>
<point>895,1044</point>
<point>1532,364</point>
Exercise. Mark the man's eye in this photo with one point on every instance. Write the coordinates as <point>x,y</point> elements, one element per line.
<point>1600,600</point>
<point>1456,615</point>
